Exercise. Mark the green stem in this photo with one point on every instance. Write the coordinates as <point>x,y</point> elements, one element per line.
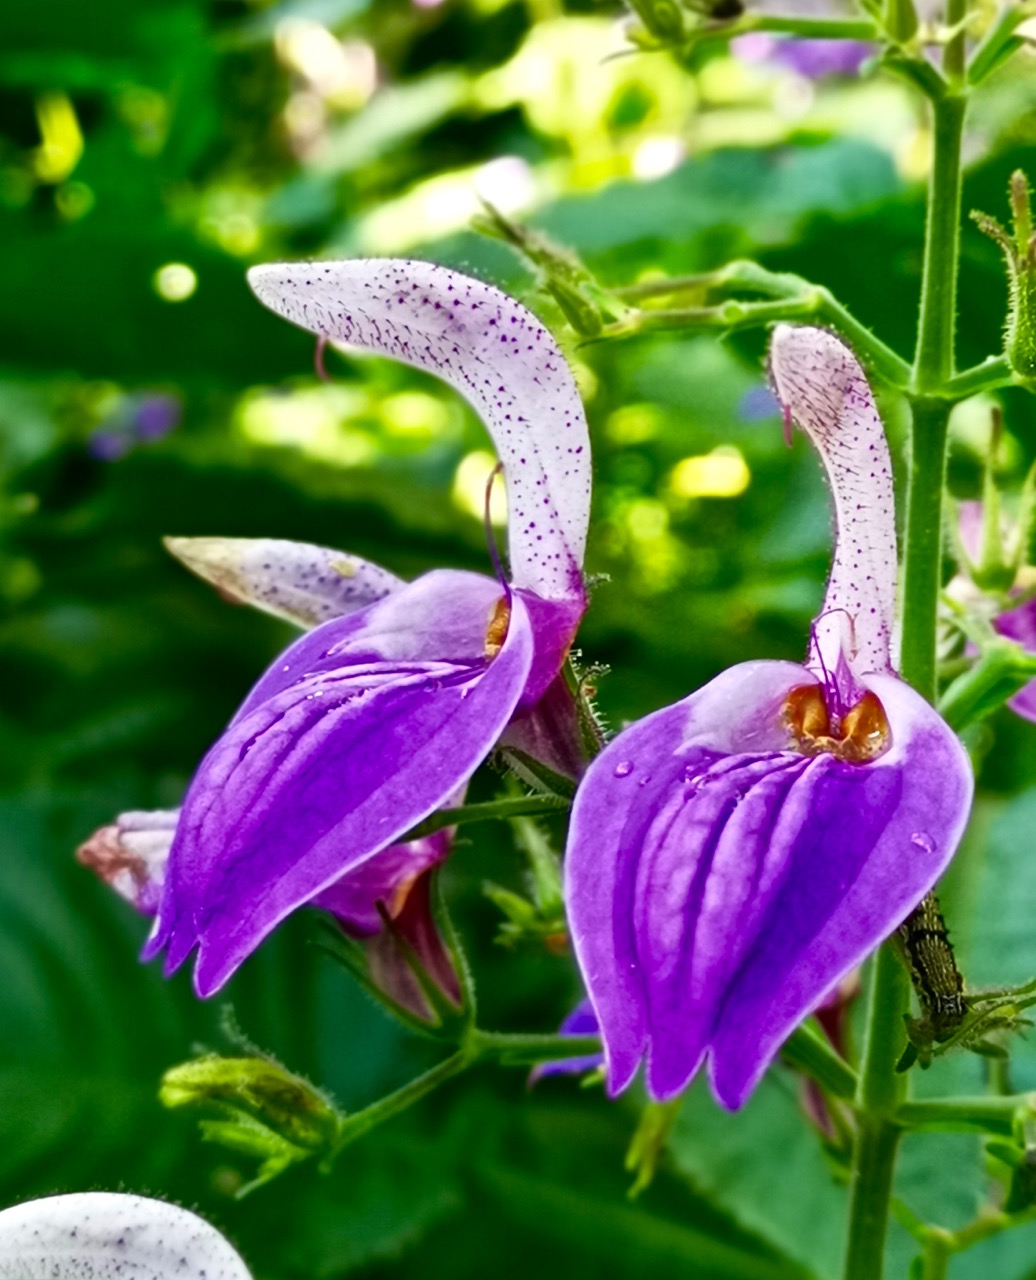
<point>807,1050</point>
<point>515,807</point>
<point>990,374</point>
<point>963,1115</point>
<point>874,1161</point>
<point>922,554</point>
<point>878,1098</point>
<point>516,1050</point>
<point>933,363</point>
<point>936,1252</point>
<point>361,1122</point>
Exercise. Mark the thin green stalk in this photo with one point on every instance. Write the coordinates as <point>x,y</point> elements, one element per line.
<point>963,1115</point>
<point>933,362</point>
<point>512,807</point>
<point>810,1052</point>
<point>922,553</point>
<point>361,1122</point>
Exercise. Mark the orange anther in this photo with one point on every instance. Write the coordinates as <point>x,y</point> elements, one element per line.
<point>863,733</point>
<point>496,632</point>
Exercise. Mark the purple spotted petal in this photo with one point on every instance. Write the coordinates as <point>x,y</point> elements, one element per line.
<point>102,1235</point>
<point>719,884</point>
<point>821,385</point>
<point>1019,624</point>
<point>357,732</point>
<point>297,581</point>
<point>498,356</point>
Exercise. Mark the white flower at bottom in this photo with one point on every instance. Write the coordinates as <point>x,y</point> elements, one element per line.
<point>101,1235</point>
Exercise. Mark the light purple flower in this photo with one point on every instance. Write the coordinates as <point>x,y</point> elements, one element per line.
<point>814,59</point>
<point>1017,623</point>
<point>378,717</point>
<point>732,857</point>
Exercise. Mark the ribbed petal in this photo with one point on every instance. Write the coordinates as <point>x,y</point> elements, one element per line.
<point>867,843</point>
<point>638,782</point>
<point>100,1235</point>
<point>498,356</point>
<point>821,385</point>
<point>719,884</point>
<point>356,733</point>
<point>302,583</point>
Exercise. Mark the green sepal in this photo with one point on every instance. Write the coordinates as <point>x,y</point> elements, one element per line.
<point>649,1141</point>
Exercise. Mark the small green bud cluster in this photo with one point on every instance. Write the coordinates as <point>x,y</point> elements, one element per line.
<point>262,1110</point>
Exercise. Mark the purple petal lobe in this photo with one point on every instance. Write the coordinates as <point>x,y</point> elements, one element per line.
<point>720,886</point>
<point>640,781</point>
<point>357,732</point>
<point>1019,624</point>
<point>582,1021</point>
<point>297,581</point>
<point>497,355</point>
<point>820,382</point>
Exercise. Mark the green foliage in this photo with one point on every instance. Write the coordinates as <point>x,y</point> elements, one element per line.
<point>134,137</point>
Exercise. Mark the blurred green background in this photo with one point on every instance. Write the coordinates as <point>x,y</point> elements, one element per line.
<point>148,154</point>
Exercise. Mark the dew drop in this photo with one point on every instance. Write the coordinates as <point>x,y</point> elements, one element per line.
<point>645,780</point>
<point>923,841</point>
<point>624,768</point>
<point>285,668</point>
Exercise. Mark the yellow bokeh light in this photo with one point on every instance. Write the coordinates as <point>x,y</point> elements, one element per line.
<point>414,413</point>
<point>175,282</point>
<point>469,487</point>
<point>316,421</point>
<point>61,140</point>
<point>723,473</point>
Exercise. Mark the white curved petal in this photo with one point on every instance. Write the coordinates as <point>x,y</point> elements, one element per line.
<point>100,1235</point>
<point>821,385</point>
<point>497,355</point>
<point>297,581</point>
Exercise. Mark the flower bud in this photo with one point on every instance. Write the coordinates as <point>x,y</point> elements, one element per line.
<point>1019,250</point>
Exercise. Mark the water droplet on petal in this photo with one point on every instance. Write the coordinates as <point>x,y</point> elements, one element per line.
<point>624,768</point>
<point>645,780</point>
<point>923,841</point>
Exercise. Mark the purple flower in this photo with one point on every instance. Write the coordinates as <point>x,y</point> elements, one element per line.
<point>1007,561</point>
<point>813,59</point>
<point>732,857</point>
<point>582,1021</point>
<point>378,716</point>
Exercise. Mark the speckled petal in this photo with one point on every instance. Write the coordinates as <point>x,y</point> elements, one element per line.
<point>821,385</point>
<point>357,732</point>
<point>100,1235</point>
<point>496,354</point>
<point>302,583</point>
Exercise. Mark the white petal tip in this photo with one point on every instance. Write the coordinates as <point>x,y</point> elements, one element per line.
<point>101,1235</point>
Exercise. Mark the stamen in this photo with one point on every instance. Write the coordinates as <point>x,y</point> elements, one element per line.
<point>861,735</point>
<point>499,621</point>
<point>318,359</point>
